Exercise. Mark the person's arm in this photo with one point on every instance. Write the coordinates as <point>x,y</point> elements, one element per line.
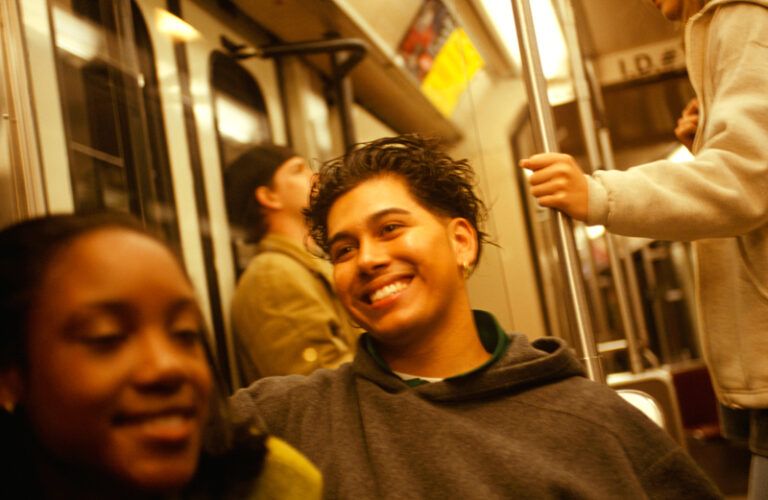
<point>287,320</point>
<point>722,192</point>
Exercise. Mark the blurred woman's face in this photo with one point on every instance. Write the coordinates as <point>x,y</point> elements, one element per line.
<point>117,379</point>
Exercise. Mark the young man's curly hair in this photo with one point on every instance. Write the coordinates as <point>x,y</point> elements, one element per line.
<point>440,184</point>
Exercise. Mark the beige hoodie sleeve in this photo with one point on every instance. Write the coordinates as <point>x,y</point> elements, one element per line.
<point>724,190</point>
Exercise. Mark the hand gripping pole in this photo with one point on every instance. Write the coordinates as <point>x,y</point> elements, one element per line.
<point>544,132</point>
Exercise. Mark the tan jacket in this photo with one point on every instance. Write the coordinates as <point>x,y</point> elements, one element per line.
<point>286,314</point>
<point>719,199</point>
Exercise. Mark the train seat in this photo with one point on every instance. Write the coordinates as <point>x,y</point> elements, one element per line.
<point>646,404</point>
<point>656,383</point>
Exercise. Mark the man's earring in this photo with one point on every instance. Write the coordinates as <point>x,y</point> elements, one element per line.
<point>466,270</point>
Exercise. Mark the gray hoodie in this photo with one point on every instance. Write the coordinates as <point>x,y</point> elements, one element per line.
<point>527,426</point>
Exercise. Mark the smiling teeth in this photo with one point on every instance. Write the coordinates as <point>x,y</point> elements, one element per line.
<point>386,291</point>
<point>167,420</point>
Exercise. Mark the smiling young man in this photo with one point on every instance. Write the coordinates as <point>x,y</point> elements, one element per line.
<point>389,255</point>
<point>439,401</point>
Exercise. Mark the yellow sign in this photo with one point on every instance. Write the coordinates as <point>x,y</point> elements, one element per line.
<point>452,70</point>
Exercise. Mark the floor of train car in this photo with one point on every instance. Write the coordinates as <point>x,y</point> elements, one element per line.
<point>727,464</point>
<point>688,384</point>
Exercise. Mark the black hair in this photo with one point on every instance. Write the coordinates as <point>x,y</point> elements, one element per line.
<point>440,184</point>
<point>254,168</point>
<point>26,251</point>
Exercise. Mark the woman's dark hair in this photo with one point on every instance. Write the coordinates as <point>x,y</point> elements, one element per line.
<point>254,168</point>
<point>27,250</point>
<point>440,184</point>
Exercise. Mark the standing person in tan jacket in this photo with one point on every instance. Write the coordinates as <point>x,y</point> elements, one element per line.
<point>719,200</point>
<point>284,311</point>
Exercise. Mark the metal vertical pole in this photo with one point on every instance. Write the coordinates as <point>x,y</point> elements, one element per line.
<point>586,116</point>
<point>343,93</point>
<point>604,139</point>
<point>544,129</point>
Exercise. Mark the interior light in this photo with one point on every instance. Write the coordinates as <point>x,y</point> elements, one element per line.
<point>175,27</point>
<point>549,35</point>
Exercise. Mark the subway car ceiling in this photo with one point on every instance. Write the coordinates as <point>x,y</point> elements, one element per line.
<point>380,85</point>
<point>637,57</point>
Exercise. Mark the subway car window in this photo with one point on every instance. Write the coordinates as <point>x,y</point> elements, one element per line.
<point>241,121</point>
<point>241,114</point>
<point>116,141</point>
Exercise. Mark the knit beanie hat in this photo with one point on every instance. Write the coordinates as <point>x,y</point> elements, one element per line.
<point>252,169</point>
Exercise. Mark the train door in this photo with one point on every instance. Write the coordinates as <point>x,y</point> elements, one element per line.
<point>104,100</point>
<point>241,119</point>
<point>115,135</point>
<point>21,185</point>
<point>231,104</point>
<point>46,168</point>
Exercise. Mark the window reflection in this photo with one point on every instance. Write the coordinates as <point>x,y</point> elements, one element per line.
<point>116,139</point>
<point>241,122</point>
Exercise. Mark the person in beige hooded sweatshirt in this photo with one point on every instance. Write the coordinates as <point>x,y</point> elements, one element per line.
<point>719,200</point>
